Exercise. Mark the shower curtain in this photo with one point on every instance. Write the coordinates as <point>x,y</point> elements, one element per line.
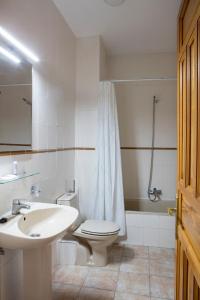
<point>109,204</point>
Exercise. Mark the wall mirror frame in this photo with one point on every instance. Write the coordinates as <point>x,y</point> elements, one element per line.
<point>15,100</point>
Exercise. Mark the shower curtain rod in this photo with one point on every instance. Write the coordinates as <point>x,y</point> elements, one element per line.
<point>143,79</point>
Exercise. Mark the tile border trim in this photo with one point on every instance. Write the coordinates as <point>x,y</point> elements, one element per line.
<point>39,151</point>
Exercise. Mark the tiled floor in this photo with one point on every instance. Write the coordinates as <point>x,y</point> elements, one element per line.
<point>133,273</point>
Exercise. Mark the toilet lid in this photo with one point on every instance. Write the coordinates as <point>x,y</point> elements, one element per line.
<point>97,227</point>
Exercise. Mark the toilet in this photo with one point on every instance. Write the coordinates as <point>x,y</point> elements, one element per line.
<point>94,236</point>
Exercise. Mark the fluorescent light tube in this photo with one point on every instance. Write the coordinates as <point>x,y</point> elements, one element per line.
<point>9,55</point>
<point>18,45</point>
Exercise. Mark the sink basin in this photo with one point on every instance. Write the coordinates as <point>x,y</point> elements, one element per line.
<point>33,231</point>
<point>38,226</point>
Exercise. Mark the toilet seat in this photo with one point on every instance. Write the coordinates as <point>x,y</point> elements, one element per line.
<point>99,228</point>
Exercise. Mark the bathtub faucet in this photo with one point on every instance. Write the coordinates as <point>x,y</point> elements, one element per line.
<point>154,195</point>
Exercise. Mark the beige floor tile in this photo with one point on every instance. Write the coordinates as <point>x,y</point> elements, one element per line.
<point>162,268</point>
<point>128,296</point>
<point>113,264</point>
<point>162,287</point>
<point>65,291</point>
<point>136,265</point>
<point>161,254</point>
<point>135,251</point>
<point>115,250</point>
<point>95,294</point>
<point>59,296</point>
<point>101,279</point>
<point>75,275</point>
<point>133,283</point>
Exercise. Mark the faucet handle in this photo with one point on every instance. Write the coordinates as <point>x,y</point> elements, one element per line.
<point>17,205</point>
<point>18,201</point>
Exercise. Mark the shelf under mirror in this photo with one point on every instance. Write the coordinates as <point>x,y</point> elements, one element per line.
<point>10,178</point>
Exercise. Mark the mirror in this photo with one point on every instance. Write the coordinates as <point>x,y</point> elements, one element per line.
<point>15,105</point>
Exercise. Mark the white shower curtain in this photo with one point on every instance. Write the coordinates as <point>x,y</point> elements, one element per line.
<point>109,204</point>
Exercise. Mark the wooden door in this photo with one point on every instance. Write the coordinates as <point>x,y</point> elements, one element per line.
<point>188,179</point>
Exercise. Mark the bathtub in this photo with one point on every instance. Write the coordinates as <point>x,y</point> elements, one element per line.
<point>148,223</point>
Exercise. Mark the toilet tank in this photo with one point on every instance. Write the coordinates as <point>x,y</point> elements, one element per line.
<point>69,199</point>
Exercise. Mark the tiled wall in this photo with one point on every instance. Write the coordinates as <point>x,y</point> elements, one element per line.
<point>135,111</point>
<point>40,26</point>
<point>53,97</point>
<point>150,229</point>
<point>54,169</point>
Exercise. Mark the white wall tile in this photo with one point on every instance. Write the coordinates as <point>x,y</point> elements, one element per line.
<point>86,122</point>
<point>166,238</point>
<point>151,237</point>
<point>135,235</point>
<point>150,229</point>
<point>167,222</point>
<point>151,221</point>
<point>136,168</point>
<point>85,171</point>
<point>135,219</point>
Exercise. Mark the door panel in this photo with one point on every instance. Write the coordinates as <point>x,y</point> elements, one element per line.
<point>188,279</point>
<point>191,111</point>
<point>188,179</point>
<point>182,117</point>
<point>198,113</point>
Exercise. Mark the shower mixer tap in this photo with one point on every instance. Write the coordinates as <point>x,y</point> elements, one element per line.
<point>156,193</point>
<point>153,195</point>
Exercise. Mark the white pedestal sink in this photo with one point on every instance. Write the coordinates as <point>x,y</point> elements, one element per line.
<point>33,231</point>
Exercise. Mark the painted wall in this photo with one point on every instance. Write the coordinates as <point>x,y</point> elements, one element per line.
<point>135,110</point>
<point>142,66</point>
<point>87,80</point>
<point>39,25</point>
<point>103,64</point>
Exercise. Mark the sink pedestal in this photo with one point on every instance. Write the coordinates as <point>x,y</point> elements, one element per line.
<point>37,273</point>
<point>33,231</point>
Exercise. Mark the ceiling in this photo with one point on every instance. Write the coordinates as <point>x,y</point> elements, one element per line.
<point>137,26</point>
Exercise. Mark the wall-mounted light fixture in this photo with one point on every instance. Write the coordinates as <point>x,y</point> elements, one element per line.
<point>29,54</point>
<point>9,55</point>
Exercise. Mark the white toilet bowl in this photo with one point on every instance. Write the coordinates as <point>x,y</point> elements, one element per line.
<point>99,235</point>
<point>94,235</point>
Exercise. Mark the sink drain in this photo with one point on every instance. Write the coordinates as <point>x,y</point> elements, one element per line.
<point>35,234</point>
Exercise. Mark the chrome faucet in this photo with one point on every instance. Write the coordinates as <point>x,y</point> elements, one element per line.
<point>17,205</point>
